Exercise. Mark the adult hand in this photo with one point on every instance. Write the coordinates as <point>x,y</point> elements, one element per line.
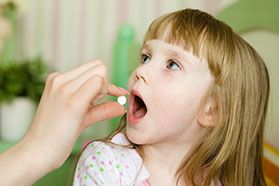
<point>66,108</point>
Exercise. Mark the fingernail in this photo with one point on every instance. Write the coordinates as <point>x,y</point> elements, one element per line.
<point>124,90</point>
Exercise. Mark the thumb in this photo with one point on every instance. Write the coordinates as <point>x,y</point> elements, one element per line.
<point>101,112</point>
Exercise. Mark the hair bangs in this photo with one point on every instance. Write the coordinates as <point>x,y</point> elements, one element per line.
<point>179,30</point>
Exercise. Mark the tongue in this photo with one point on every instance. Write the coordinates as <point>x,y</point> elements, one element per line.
<point>140,112</point>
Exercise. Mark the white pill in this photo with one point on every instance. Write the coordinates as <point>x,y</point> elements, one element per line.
<point>121,100</point>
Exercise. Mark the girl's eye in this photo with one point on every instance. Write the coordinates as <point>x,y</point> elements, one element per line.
<point>173,65</point>
<point>144,58</point>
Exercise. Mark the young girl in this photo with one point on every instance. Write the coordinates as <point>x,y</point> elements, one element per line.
<point>196,113</point>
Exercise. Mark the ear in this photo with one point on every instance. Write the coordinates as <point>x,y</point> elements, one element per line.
<point>207,116</point>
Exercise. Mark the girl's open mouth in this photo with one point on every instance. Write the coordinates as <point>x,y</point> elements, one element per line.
<point>137,108</point>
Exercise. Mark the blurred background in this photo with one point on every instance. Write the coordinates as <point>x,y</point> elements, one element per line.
<point>37,37</point>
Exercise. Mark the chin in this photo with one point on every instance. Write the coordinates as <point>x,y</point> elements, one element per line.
<point>134,136</point>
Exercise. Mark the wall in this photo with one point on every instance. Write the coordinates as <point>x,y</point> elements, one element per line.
<point>70,32</point>
<point>263,40</point>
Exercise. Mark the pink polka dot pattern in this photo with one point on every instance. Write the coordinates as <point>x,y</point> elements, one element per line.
<point>108,164</point>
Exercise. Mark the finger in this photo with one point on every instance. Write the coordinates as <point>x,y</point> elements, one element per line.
<point>48,82</point>
<point>113,90</point>
<point>88,91</point>
<point>72,74</point>
<point>102,112</point>
<point>77,82</point>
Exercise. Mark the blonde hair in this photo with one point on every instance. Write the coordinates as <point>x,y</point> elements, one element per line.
<point>231,152</point>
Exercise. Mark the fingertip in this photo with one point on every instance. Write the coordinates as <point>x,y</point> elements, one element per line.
<point>114,90</point>
<point>124,90</point>
<point>104,111</point>
<point>119,108</point>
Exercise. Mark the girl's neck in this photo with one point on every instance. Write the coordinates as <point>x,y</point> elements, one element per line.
<point>171,156</point>
<point>163,161</point>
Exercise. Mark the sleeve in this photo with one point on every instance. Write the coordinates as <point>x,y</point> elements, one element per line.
<point>94,166</point>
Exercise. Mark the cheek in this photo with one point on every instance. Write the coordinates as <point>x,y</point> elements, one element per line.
<point>176,103</point>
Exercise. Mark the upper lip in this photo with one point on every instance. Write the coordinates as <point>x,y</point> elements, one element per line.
<point>136,93</point>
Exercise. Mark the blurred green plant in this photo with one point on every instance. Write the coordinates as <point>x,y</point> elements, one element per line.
<point>12,5</point>
<point>23,79</point>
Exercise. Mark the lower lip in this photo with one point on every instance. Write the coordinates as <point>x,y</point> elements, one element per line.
<point>132,119</point>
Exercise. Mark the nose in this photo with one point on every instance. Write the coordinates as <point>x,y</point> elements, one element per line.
<point>141,74</point>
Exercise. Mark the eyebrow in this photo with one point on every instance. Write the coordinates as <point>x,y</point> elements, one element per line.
<point>145,46</point>
<point>170,52</point>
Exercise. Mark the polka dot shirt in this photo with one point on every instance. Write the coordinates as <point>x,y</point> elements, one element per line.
<point>110,164</point>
